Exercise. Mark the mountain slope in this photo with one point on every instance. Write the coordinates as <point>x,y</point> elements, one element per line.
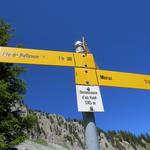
<point>30,145</point>
<point>54,132</point>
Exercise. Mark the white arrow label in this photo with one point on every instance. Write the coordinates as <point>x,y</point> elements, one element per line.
<point>89,99</point>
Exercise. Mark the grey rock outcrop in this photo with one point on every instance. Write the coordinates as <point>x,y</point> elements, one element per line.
<point>59,133</point>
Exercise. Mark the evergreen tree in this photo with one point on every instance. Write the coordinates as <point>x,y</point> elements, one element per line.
<point>12,89</point>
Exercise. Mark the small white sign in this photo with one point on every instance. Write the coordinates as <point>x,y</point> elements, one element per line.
<point>89,99</point>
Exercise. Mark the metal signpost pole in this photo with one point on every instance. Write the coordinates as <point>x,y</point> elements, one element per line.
<point>91,136</point>
<point>90,131</point>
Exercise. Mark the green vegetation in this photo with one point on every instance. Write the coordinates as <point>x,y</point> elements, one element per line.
<point>41,141</point>
<point>79,139</point>
<point>116,137</point>
<point>69,138</point>
<point>12,124</point>
<point>148,146</point>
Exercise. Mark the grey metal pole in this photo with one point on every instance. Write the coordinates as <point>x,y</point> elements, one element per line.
<point>91,137</point>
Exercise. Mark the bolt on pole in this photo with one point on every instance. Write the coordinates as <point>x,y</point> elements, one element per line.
<point>91,137</point>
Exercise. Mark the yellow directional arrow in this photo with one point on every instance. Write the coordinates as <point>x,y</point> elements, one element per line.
<point>40,57</point>
<point>121,79</point>
<point>85,76</point>
<point>45,57</point>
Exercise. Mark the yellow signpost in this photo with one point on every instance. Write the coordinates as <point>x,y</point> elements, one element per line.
<point>84,76</point>
<point>121,79</point>
<point>46,57</point>
<point>84,60</point>
<point>84,63</point>
<point>38,57</point>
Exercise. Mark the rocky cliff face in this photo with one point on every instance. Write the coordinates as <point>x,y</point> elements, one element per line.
<point>55,129</point>
<point>65,134</point>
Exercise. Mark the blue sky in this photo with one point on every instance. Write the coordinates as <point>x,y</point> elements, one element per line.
<point>118,35</point>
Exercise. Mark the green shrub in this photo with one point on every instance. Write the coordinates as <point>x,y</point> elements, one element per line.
<point>41,141</point>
